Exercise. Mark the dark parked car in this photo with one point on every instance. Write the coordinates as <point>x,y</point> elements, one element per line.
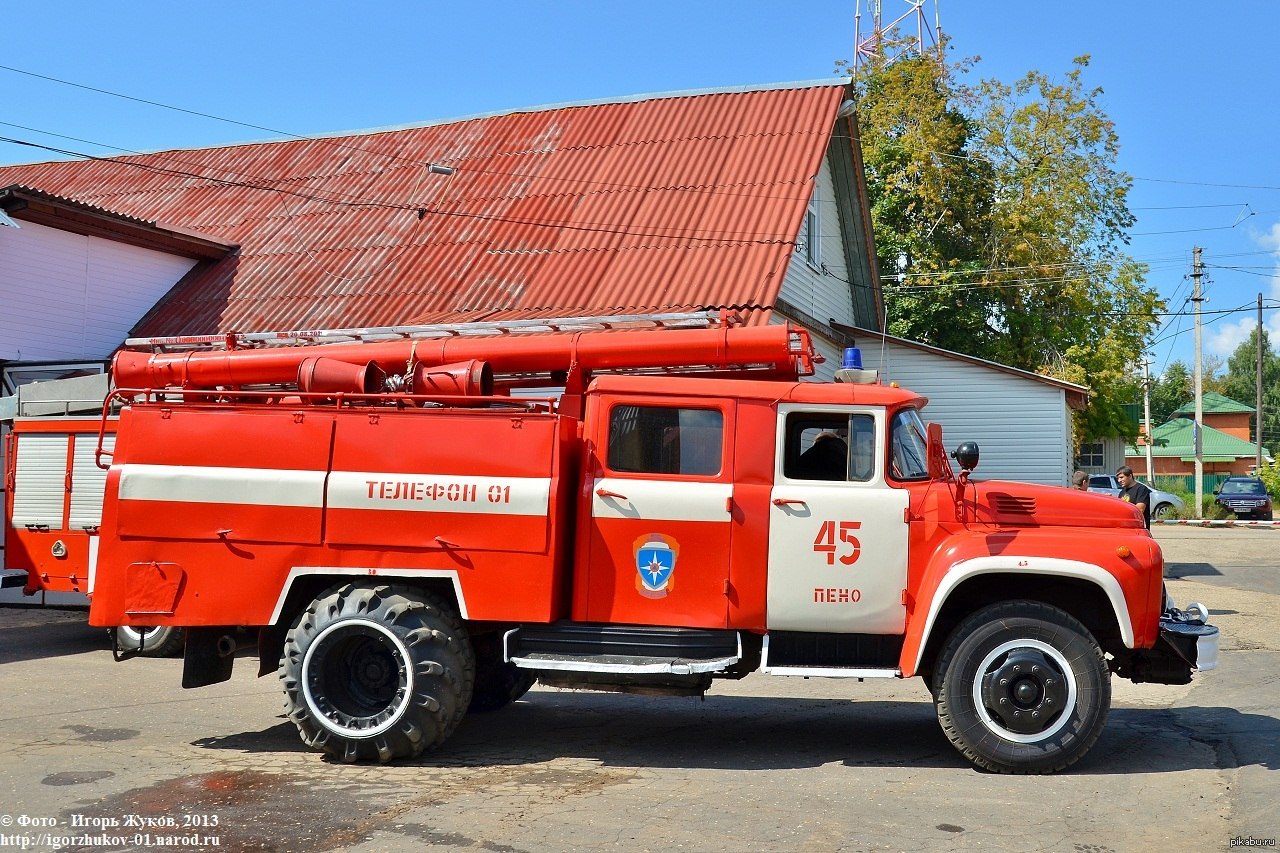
<point>1245,496</point>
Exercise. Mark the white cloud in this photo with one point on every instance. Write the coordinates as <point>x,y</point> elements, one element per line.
<point>1222,337</point>
<point>1271,239</point>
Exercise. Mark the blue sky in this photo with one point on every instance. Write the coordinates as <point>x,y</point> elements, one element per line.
<point>1191,89</point>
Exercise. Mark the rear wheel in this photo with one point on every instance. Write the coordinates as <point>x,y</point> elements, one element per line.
<point>163,642</point>
<point>1022,687</point>
<point>376,672</point>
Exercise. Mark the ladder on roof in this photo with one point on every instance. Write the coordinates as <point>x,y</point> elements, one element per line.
<point>251,340</point>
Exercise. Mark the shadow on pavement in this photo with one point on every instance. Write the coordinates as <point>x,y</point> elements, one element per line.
<point>36,640</point>
<point>278,738</point>
<point>749,733</point>
<point>1187,570</point>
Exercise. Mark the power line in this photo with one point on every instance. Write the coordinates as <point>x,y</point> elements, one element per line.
<point>1206,184</point>
<point>338,144</point>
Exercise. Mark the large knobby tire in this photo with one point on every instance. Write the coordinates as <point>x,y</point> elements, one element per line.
<point>376,672</point>
<point>1022,687</point>
<point>164,642</point>
<point>498,683</point>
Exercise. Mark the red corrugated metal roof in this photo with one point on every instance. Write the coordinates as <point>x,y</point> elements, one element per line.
<point>683,200</point>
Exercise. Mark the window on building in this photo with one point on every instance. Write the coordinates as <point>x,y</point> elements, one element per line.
<point>666,440</point>
<point>813,232</point>
<point>1091,455</point>
<point>19,374</point>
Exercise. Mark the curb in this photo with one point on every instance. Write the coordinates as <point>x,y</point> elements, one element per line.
<point>1214,522</point>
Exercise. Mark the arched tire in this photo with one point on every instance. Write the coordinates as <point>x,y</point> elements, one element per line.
<point>1022,687</point>
<point>163,642</point>
<point>1164,510</point>
<point>498,683</point>
<point>376,672</point>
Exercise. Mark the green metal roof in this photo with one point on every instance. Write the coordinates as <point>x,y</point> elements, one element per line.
<point>1215,404</point>
<point>1175,438</point>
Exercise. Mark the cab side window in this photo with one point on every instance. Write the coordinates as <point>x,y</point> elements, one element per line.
<point>666,440</point>
<point>829,447</point>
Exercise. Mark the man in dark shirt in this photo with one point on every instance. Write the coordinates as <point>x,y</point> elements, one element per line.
<point>1134,492</point>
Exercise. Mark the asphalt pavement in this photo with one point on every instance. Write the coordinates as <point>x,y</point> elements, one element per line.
<point>101,755</point>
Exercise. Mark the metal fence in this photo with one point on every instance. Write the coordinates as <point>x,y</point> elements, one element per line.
<point>1187,482</point>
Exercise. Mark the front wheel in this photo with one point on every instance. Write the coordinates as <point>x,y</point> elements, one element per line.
<point>1022,687</point>
<point>1164,510</point>
<point>376,672</point>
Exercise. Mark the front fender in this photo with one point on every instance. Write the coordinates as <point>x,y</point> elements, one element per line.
<point>1125,581</point>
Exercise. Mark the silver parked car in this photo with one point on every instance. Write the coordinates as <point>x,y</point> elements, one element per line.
<point>1162,503</point>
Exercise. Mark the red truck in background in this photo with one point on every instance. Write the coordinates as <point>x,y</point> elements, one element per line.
<point>413,536</point>
<point>53,501</point>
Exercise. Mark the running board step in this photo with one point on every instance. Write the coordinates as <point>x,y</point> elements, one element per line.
<point>833,671</point>
<point>12,577</point>
<point>622,649</point>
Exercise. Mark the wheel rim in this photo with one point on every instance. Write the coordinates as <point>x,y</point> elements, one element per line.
<point>1025,691</point>
<point>133,637</point>
<point>357,677</point>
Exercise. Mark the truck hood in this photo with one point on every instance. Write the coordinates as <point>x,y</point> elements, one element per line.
<point>1009,503</point>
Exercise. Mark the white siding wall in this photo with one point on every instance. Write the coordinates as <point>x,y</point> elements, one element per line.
<point>66,296</point>
<point>1022,427</point>
<point>824,297</point>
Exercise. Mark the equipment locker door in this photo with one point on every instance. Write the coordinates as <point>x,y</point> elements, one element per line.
<point>837,530</point>
<point>660,512</point>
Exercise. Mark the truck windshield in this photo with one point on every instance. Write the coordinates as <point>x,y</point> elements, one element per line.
<point>908,452</point>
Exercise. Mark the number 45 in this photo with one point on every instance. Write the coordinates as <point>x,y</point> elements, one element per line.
<point>826,541</point>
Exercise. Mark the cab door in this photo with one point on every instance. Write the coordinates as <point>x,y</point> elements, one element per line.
<point>837,530</point>
<point>660,512</point>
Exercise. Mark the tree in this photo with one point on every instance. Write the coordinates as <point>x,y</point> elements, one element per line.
<point>999,220</point>
<point>1170,392</point>
<point>930,201</point>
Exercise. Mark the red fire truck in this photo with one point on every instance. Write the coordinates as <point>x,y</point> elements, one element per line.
<point>53,502</point>
<point>414,530</point>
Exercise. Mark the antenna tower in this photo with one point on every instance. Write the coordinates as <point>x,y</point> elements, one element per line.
<point>871,42</point>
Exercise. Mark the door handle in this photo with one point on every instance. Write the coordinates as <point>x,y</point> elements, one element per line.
<point>787,501</point>
<point>605,493</point>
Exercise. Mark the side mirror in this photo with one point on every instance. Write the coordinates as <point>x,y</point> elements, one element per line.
<point>937,453</point>
<point>967,455</point>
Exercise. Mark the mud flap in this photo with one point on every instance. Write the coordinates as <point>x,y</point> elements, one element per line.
<point>209,656</point>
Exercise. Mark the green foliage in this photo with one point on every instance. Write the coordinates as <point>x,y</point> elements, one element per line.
<point>1169,392</point>
<point>1212,509</point>
<point>1270,476</point>
<point>999,220</point>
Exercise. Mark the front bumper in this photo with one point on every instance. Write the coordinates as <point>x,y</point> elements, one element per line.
<point>1195,641</point>
<point>1187,643</point>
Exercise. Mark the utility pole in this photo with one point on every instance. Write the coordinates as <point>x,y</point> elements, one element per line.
<point>1146,417</point>
<point>1258,391</point>
<point>1196,425</point>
